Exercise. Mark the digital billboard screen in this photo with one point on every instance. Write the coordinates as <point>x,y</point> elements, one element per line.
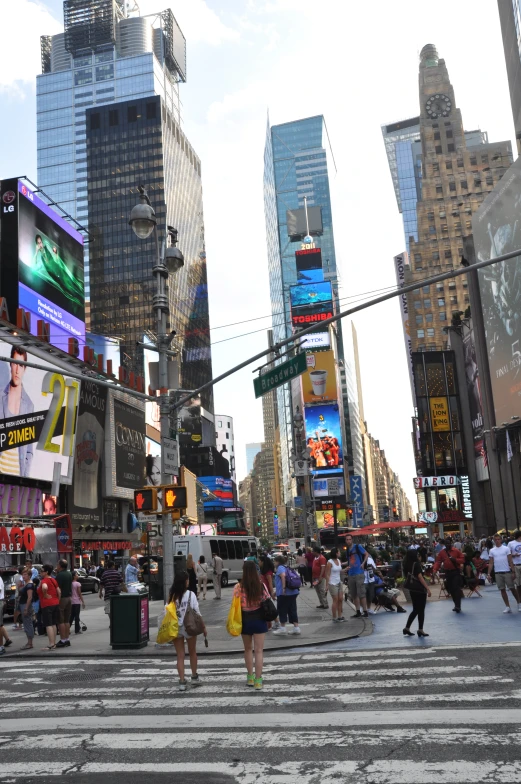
<point>496,228</point>
<point>37,416</point>
<point>324,438</point>
<point>319,382</point>
<point>307,295</point>
<point>305,317</point>
<point>309,265</point>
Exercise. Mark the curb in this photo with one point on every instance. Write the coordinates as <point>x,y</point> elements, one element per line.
<point>158,652</point>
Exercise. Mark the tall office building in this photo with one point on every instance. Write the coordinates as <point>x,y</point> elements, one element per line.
<point>403,148</point>
<point>458,169</point>
<point>298,164</point>
<point>251,450</point>
<point>108,120</point>
<point>510,18</point>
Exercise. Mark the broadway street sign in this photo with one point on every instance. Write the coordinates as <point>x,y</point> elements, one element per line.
<point>280,374</point>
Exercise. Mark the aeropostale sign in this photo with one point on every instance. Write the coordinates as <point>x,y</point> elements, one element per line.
<point>421,482</point>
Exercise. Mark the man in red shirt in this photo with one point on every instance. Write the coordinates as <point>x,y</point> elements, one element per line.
<point>49,594</point>
<point>319,579</point>
<point>452,560</point>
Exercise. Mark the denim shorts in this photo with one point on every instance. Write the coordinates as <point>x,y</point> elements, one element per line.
<point>252,623</point>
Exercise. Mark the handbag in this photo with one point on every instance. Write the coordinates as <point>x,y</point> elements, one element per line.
<point>193,621</point>
<point>234,621</point>
<point>169,628</point>
<point>268,611</point>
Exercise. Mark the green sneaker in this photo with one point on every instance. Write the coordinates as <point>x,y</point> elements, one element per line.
<point>250,680</point>
<point>258,684</point>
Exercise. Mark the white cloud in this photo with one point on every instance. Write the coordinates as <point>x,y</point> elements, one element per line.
<point>199,23</point>
<point>21,25</point>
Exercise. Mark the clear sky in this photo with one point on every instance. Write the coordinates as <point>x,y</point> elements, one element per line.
<point>354,62</point>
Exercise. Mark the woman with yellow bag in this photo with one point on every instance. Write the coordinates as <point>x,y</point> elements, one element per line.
<point>249,597</point>
<point>184,600</point>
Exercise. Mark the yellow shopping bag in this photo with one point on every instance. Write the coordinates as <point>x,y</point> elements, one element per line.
<point>234,622</point>
<point>169,629</point>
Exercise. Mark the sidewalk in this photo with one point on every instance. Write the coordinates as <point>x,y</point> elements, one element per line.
<point>317,629</point>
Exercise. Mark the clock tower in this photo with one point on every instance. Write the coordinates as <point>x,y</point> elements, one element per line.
<point>458,170</point>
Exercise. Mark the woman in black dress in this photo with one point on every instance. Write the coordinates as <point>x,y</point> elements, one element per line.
<point>192,578</point>
<point>419,591</point>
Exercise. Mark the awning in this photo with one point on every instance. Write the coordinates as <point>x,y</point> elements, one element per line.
<point>379,527</point>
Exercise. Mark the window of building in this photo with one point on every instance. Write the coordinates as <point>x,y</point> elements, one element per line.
<point>448,165</point>
<point>450,148</point>
<point>228,424</point>
<point>430,332</point>
<point>473,160</point>
<point>420,333</point>
<point>489,180</point>
<point>82,77</point>
<point>443,315</point>
<point>113,117</point>
<point>426,303</point>
<point>151,111</point>
<point>428,317</point>
<point>419,319</point>
<point>219,423</point>
<point>432,229</point>
<point>441,302</point>
<point>460,163</point>
<point>477,182</point>
<point>426,289</point>
<point>452,285</point>
<point>453,300</point>
<point>452,186</point>
<point>437,149</point>
<point>104,72</point>
<point>437,136</point>
<point>435,256</point>
<point>439,287</point>
<point>95,121</point>
<point>132,114</point>
<point>467,300</point>
<point>227,435</point>
<point>464,184</point>
<point>439,189</point>
<point>449,134</point>
<point>484,159</point>
<point>435,167</point>
<point>435,125</point>
<point>430,216</point>
<point>417,304</point>
<point>417,257</point>
<point>448,254</point>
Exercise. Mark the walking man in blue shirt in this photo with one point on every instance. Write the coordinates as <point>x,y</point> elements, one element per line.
<point>132,571</point>
<point>356,558</point>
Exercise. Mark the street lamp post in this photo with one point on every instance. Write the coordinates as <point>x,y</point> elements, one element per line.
<point>143,221</point>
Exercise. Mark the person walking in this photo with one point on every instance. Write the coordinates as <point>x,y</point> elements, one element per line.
<point>77,602</point>
<point>252,593</point>
<point>27,601</point>
<point>357,558</point>
<point>201,571</point>
<point>286,599</point>
<point>17,618</point>
<point>183,598</point>
<point>110,585</point>
<point>452,560</point>
<point>217,564</point>
<point>190,568</point>
<point>419,590</point>
<point>334,584</point>
<point>5,640</point>
<point>515,551</point>
<point>64,580</point>
<point>502,563</point>
<point>49,594</point>
<point>132,571</point>
<point>318,574</point>
<point>267,572</point>
<point>302,566</point>
<point>310,557</point>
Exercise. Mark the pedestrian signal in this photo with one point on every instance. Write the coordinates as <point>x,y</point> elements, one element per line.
<point>145,500</point>
<point>174,497</point>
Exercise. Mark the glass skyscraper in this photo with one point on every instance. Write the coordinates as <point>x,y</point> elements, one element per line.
<point>298,164</point>
<point>109,120</point>
<point>403,148</point>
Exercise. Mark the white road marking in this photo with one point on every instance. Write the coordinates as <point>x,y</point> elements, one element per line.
<point>198,721</point>
<point>130,741</point>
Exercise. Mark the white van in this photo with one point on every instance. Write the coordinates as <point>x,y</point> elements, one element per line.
<point>232,549</point>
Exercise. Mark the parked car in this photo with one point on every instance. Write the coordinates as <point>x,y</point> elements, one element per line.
<point>87,581</point>
<point>8,575</point>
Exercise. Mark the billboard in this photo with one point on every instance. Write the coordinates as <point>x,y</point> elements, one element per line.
<point>315,340</point>
<point>220,487</point>
<point>473,390</point>
<point>301,222</point>
<point>496,227</point>
<point>309,265</point>
<point>305,317</point>
<point>125,458</point>
<point>307,295</point>
<point>321,488</point>
<point>37,417</point>
<point>319,381</point>
<point>325,518</point>
<point>87,505</point>
<point>42,264</point>
<point>324,438</point>
<point>152,411</point>
<point>400,262</point>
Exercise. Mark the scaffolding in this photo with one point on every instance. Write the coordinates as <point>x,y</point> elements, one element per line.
<point>89,24</point>
<point>45,47</point>
<point>174,44</point>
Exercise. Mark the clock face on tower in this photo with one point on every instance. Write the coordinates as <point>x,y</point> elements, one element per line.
<point>438,105</point>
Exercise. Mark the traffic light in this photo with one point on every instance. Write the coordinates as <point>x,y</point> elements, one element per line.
<point>145,500</point>
<point>350,513</point>
<point>258,523</point>
<point>174,497</point>
<point>395,513</point>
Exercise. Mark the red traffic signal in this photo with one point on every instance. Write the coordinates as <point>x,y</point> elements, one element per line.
<point>174,497</point>
<point>145,500</point>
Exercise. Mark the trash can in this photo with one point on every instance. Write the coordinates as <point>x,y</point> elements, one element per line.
<point>129,620</point>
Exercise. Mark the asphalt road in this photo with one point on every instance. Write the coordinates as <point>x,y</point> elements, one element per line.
<point>376,716</point>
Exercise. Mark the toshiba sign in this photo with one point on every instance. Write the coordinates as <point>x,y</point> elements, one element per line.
<point>310,318</point>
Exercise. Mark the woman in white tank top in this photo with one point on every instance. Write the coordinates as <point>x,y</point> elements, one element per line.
<point>334,581</point>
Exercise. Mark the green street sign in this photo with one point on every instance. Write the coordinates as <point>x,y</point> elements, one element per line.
<point>280,374</point>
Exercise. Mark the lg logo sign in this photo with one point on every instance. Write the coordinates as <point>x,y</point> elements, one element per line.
<point>8,198</point>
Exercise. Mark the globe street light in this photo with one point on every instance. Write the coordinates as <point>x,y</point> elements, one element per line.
<point>143,218</point>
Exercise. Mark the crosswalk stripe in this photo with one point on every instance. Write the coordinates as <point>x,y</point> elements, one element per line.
<point>375,771</point>
<point>134,741</point>
<point>198,721</point>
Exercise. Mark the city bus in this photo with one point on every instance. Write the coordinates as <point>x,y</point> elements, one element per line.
<point>232,549</point>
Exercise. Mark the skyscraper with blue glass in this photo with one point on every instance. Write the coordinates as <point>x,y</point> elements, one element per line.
<point>403,148</point>
<point>298,165</point>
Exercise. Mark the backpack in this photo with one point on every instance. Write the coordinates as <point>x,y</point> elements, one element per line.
<point>293,581</point>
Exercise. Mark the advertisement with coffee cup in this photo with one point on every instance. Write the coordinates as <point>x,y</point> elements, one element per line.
<point>319,382</point>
